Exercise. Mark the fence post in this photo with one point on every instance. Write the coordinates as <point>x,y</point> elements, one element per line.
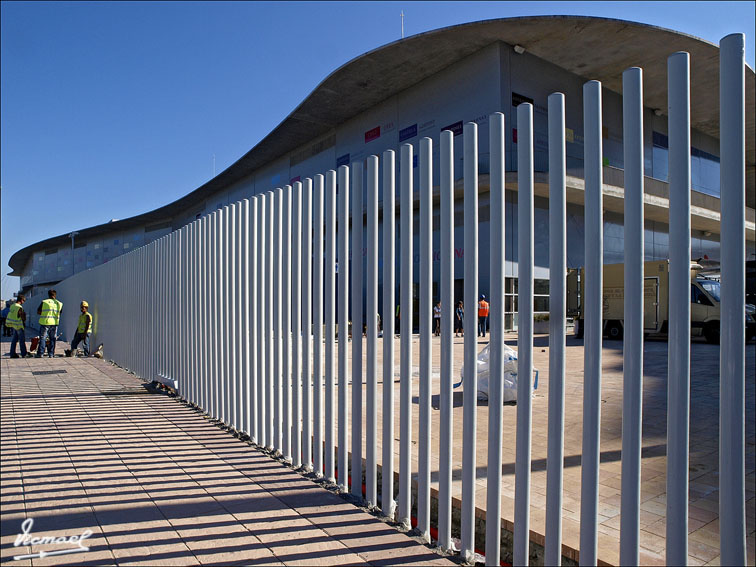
<point>557,323</point>
<point>732,527</point>
<point>356,297</point>
<point>278,343</point>
<point>496,291</point>
<point>405,324</point>
<point>426,313</point>
<point>253,320</point>
<point>343,279</point>
<point>296,303</point>
<point>307,324</point>
<point>593,322</point>
<point>446,221</point>
<point>371,417</point>
<point>388,505</point>
<point>632,391</point>
<point>286,327</point>
<point>330,319</point>
<point>318,325</point>
<point>469,410</point>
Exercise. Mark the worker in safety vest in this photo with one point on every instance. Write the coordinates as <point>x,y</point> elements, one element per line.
<point>82,331</point>
<point>482,316</point>
<point>17,321</point>
<point>49,318</point>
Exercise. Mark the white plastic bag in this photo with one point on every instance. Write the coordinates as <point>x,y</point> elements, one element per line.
<point>509,378</point>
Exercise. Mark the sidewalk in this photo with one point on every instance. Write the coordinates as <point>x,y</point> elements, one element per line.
<point>87,447</point>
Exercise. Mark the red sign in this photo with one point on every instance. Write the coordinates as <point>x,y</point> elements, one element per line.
<point>373,134</point>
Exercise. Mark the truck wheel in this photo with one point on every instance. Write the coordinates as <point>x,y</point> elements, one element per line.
<point>614,330</point>
<point>711,332</point>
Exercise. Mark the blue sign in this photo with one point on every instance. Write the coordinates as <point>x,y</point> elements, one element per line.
<point>408,132</point>
<point>343,160</point>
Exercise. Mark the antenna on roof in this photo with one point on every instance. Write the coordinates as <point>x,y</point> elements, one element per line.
<point>402,16</point>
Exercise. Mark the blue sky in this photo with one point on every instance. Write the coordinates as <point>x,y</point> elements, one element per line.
<point>112,109</point>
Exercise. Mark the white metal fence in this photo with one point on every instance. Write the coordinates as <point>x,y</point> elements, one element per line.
<point>233,308</point>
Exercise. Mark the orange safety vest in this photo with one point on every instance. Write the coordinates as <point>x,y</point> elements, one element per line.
<point>482,308</point>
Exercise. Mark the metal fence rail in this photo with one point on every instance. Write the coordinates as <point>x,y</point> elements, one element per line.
<point>238,311</point>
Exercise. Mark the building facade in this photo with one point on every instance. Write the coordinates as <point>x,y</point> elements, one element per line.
<point>420,86</point>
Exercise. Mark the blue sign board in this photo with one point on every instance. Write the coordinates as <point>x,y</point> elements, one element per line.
<point>343,160</point>
<point>408,132</point>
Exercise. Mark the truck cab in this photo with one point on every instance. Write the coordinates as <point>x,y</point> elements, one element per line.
<point>704,302</point>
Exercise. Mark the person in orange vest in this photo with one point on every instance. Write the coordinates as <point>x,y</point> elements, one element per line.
<point>482,316</point>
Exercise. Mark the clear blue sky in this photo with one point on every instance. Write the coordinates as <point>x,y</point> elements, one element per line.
<point>112,109</point>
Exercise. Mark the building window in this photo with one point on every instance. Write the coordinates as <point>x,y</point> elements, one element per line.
<point>704,167</point>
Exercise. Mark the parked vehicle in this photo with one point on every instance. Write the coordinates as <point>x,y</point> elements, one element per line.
<point>704,302</point>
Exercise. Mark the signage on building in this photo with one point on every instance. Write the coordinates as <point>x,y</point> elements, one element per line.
<point>343,160</point>
<point>373,134</point>
<point>518,99</point>
<point>295,179</point>
<point>456,128</point>
<point>408,132</point>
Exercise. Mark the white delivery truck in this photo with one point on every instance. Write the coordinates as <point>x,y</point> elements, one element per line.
<point>704,301</point>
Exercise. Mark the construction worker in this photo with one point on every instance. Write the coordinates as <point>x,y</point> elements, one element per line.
<point>17,321</point>
<point>82,331</point>
<point>482,316</point>
<point>49,318</point>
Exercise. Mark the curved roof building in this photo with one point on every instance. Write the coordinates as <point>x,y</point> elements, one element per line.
<point>420,85</point>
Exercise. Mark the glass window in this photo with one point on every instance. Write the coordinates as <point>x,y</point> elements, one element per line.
<point>712,288</point>
<point>540,303</point>
<point>541,287</point>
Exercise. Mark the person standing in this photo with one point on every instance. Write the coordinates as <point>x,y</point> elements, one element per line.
<point>82,331</point>
<point>437,319</point>
<point>459,314</point>
<point>49,318</point>
<point>482,316</point>
<point>3,318</point>
<point>17,321</point>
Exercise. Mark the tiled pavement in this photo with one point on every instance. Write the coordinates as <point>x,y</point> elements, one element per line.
<point>157,484</point>
<point>231,460</point>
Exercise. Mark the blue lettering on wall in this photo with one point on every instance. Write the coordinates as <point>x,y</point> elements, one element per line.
<point>408,132</point>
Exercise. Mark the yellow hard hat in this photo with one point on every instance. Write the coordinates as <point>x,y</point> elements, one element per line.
<point>84,304</point>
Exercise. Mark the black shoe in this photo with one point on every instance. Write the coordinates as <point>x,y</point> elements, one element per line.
<point>14,356</point>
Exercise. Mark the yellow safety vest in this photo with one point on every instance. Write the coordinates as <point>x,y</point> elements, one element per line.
<point>50,313</point>
<point>57,314</point>
<point>83,323</point>
<point>14,321</point>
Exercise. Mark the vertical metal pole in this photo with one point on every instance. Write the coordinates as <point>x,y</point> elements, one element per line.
<point>371,393</point>
<point>469,410</point>
<point>426,332</point>
<point>330,319</point>
<point>254,334</point>
<point>232,307</point>
<point>242,339</point>
<point>343,279</point>
<point>307,324</point>
<point>269,323</point>
<point>263,397</point>
<point>678,374</point>
<point>557,324</point>
<point>220,276</point>
<point>632,390</point>
<point>495,392</point>
<point>732,527</point>
<point>594,246</point>
<point>356,297</point>
<point>525,330</point>
<point>226,278</point>
<point>318,326</point>
<point>277,323</point>
<point>286,331</point>
<point>446,222</point>
<point>405,324</point>
<point>388,505</point>
<point>296,303</point>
